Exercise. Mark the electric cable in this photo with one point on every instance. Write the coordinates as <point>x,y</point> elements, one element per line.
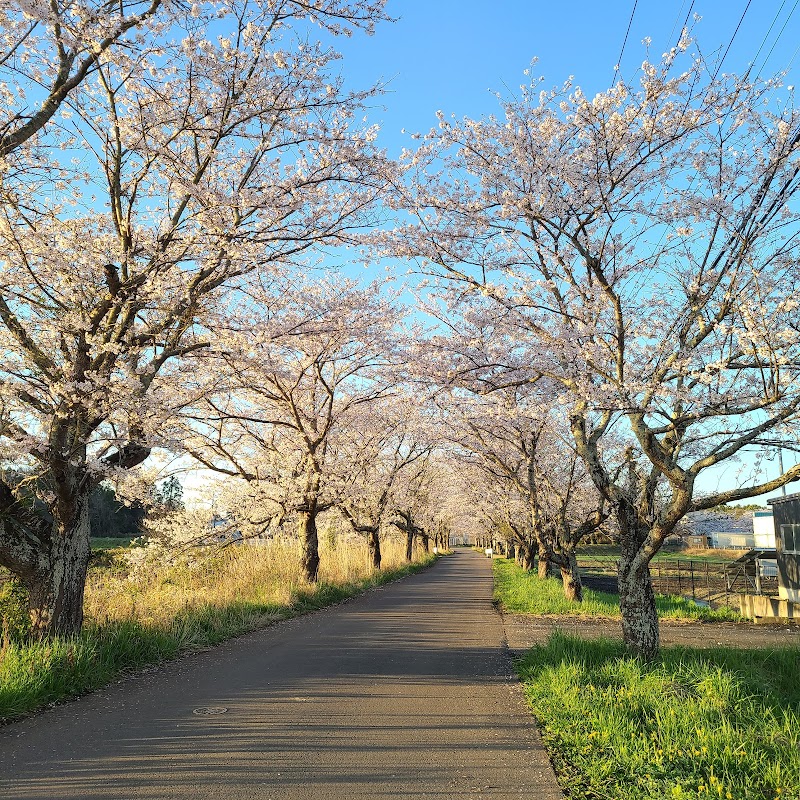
<point>730,43</point>
<point>777,38</point>
<point>624,41</point>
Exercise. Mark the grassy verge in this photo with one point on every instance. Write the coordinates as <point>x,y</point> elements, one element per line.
<point>713,556</point>
<point>522,592</point>
<point>695,724</point>
<point>138,619</point>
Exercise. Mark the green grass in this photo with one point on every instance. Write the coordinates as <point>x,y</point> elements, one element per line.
<point>36,674</point>
<point>110,542</point>
<point>694,724</point>
<point>612,551</point>
<point>524,593</point>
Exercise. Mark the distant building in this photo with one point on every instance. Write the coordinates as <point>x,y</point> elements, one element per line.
<point>764,529</point>
<point>786,511</point>
<point>732,540</point>
<point>729,531</point>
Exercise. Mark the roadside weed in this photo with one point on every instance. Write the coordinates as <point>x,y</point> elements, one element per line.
<point>695,724</point>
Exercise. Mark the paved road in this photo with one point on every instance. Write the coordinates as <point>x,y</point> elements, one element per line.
<point>405,692</point>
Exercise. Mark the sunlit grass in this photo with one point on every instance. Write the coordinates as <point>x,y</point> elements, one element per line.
<point>695,724</point>
<point>711,555</point>
<point>523,592</point>
<point>158,613</point>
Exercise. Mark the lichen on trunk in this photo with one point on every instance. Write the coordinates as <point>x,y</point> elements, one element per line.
<point>56,593</point>
<point>571,577</point>
<point>49,553</point>
<point>638,606</point>
<point>544,562</point>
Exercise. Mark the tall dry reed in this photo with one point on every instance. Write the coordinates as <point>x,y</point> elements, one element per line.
<point>266,574</point>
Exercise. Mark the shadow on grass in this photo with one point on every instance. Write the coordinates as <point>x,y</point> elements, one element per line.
<point>695,723</point>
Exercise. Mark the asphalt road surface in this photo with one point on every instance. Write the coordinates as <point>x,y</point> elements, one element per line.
<point>405,692</point>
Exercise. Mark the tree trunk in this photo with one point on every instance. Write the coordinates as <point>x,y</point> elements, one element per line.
<point>426,544</point>
<point>309,544</point>
<point>638,605</point>
<point>544,562</point>
<point>56,586</point>
<point>571,576</point>
<point>511,550</point>
<point>637,600</point>
<point>409,545</point>
<point>374,549</point>
<point>527,557</point>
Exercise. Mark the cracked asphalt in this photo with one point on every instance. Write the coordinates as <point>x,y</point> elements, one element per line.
<point>404,692</point>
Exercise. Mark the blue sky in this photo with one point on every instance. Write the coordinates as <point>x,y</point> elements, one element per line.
<point>452,54</point>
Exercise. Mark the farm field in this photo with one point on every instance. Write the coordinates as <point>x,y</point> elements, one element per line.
<point>665,554</point>
<point>110,542</point>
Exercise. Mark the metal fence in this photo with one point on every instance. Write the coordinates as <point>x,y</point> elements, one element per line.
<point>711,583</point>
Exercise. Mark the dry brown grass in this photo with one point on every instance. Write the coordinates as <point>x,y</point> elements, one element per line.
<point>265,575</point>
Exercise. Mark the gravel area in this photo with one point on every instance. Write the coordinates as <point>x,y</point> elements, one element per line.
<point>526,630</point>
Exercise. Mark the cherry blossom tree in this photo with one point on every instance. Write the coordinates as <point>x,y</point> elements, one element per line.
<point>196,163</point>
<point>296,368</point>
<point>417,502</point>
<point>433,499</point>
<point>640,248</point>
<point>515,432</point>
<point>50,51</point>
<point>526,452</point>
<point>384,440</point>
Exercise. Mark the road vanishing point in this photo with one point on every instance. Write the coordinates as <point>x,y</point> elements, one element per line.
<point>404,692</point>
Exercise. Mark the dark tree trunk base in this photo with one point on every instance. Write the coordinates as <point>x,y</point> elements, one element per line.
<point>309,558</point>
<point>375,550</point>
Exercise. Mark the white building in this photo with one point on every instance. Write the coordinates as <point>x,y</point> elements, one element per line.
<point>764,529</point>
<point>732,540</point>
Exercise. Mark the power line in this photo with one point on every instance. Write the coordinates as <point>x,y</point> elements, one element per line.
<point>685,21</point>
<point>791,60</point>
<point>688,14</point>
<point>624,41</point>
<point>780,33</point>
<point>675,24</point>
<point>730,43</point>
<point>769,31</point>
